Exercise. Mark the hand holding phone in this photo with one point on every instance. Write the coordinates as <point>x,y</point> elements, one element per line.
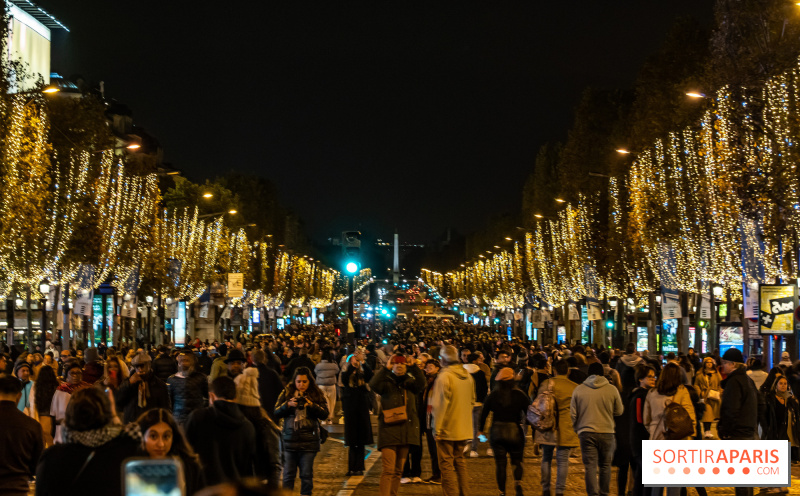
<point>149,477</point>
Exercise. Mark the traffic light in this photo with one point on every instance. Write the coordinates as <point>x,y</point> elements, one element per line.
<point>351,250</point>
<point>702,323</point>
<point>609,324</point>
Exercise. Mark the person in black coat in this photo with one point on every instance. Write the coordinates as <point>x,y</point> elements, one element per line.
<point>222,435</point>
<point>269,383</point>
<point>141,391</point>
<point>355,405</point>
<point>89,462</point>
<point>645,375</point>
<point>295,363</point>
<point>302,405</point>
<point>738,416</point>
<point>268,441</point>
<point>481,390</point>
<point>20,438</point>
<point>164,365</point>
<point>204,363</point>
<point>188,389</point>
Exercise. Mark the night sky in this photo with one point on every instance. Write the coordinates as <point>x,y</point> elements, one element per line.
<point>420,116</point>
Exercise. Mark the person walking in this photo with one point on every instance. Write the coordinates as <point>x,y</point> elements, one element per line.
<point>508,404</point>
<point>707,385</point>
<point>63,394</point>
<point>141,391</point>
<point>20,438</point>
<point>396,384</point>
<point>432,368</point>
<point>595,403</point>
<point>42,393</point>
<point>24,372</point>
<point>164,365</point>
<point>481,390</point>
<point>188,388</point>
<point>302,405</point>
<point>222,435</point>
<point>162,438</point>
<point>326,372</point>
<point>560,440</point>
<point>355,405</point>
<point>782,418</point>
<point>269,382</point>
<point>267,463</point>
<point>646,378</point>
<point>451,408</point>
<point>738,413</point>
<point>95,448</point>
<point>669,389</point>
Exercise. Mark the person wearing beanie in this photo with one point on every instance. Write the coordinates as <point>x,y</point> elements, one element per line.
<point>739,407</point>
<point>23,372</point>
<point>268,445</point>
<point>785,362</point>
<point>595,403</point>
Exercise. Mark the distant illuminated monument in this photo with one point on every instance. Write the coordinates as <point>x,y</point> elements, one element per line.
<point>396,272</point>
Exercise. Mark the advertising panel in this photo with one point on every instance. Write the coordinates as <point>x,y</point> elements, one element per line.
<point>670,304</point>
<point>776,308</point>
<point>641,338</point>
<point>179,323</point>
<point>731,337</point>
<point>235,285</point>
<point>670,335</point>
<point>716,463</point>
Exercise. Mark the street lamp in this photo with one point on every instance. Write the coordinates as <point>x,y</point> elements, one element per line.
<point>696,94</point>
<point>208,195</point>
<point>561,200</point>
<point>132,147</point>
<point>231,212</point>
<point>623,151</point>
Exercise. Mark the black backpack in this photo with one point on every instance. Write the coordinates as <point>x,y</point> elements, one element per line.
<point>677,422</point>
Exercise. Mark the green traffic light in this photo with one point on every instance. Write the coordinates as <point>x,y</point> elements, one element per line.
<point>351,267</point>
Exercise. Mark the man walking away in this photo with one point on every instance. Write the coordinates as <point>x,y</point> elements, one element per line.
<point>451,407</point>
<point>561,438</point>
<point>188,389</point>
<point>222,435</point>
<point>595,403</point>
<point>738,415</point>
<point>20,438</point>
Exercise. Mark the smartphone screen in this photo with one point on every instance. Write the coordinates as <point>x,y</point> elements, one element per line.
<point>146,477</point>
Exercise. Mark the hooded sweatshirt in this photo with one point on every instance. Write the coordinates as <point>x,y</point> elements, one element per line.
<point>481,388</point>
<point>595,403</point>
<point>451,403</point>
<point>225,441</point>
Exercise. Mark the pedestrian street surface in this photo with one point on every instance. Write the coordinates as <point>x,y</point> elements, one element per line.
<point>331,465</point>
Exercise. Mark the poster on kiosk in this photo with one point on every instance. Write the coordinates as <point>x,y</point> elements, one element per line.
<point>776,304</point>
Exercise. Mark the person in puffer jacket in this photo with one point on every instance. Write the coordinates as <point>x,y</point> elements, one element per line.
<point>300,405</point>
<point>188,389</point>
<point>327,371</point>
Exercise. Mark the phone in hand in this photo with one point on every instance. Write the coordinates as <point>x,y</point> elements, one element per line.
<point>148,477</point>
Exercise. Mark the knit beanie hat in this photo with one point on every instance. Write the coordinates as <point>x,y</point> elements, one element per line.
<point>733,355</point>
<point>247,388</point>
<point>504,374</point>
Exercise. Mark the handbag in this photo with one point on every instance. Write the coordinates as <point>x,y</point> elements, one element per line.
<point>713,394</point>
<point>397,415</point>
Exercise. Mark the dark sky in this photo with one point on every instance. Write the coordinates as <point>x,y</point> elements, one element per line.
<point>419,116</point>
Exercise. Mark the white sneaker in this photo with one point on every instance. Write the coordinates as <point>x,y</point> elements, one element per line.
<point>405,480</point>
<point>416,480</point>
<point>490,452</point>
<point>473,454</point>
<point>466,447</point>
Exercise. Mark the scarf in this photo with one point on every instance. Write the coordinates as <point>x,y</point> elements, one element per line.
<point>785,395</point>
<point>99,437</point>
<point>71,388</point>
<point>144,393</point>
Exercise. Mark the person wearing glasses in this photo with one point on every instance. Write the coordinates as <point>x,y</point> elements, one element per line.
<point>141,391</point>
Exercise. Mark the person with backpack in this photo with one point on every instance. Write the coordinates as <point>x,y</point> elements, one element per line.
<point>595,403</point>
<point>669,411</point>
<point>508,404</point>
<point>481,389</point>
<point>646,377</point>
<point>561,438</point>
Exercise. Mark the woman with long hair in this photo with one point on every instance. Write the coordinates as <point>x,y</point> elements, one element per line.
<point>162,437</point>
<point>669,389</point>
<point>355,405</point>
<point>268,437</point>
<point>707,385</point>
<point>114,372</point>
<point>42,392</point>
<point>301,405</point>
<point>508,404</point>
<point>646,378</point>
<point>782,413</point>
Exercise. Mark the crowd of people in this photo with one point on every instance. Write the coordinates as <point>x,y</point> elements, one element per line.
<point>256,409</point>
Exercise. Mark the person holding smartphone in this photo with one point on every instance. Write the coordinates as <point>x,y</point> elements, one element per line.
<point>302,405</point>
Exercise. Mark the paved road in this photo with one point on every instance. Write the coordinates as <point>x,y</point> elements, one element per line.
<point>331,465</point>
